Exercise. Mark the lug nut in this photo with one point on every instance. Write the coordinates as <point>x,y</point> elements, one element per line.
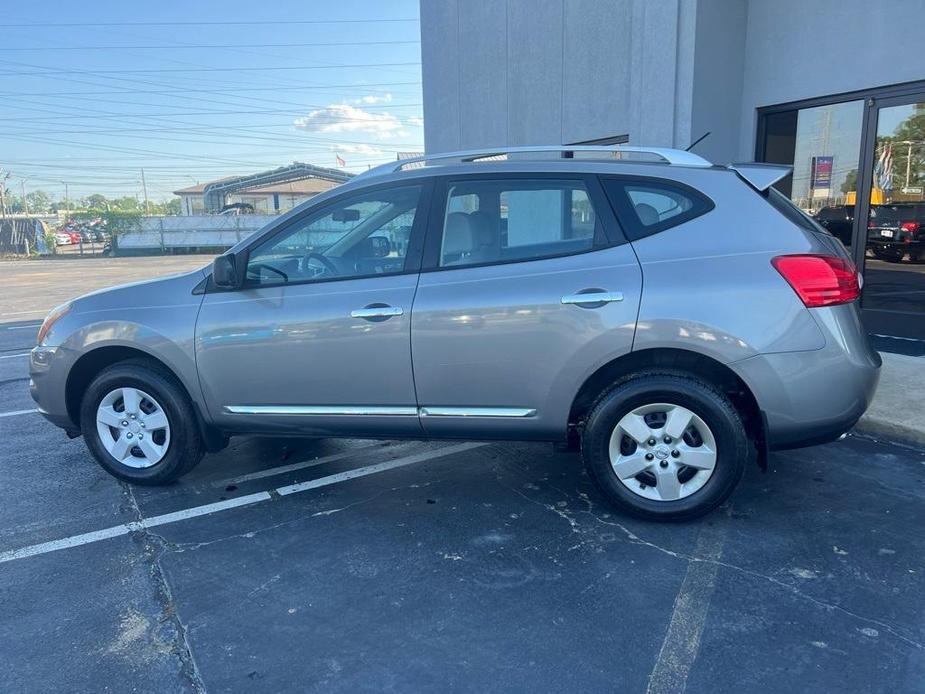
<point>142,425</point>
<point>667,439</point>
<point>132,416</point>
<point>675,453</point>
<point>124,423</point>
<point>649,456</point>
<point>652,441</point>
<point>663,463</point>
<point>128,435</point>
<point>140,436</point>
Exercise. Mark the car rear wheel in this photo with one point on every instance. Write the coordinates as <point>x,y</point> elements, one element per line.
<point>138,423</point>
<point>889,255</point>
<point>665,446</point>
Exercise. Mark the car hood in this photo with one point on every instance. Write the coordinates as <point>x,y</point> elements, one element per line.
<point>175,289</point>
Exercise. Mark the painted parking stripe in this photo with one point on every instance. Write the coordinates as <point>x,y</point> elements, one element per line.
<point>283,469</point>
<point>373,469</point>
<point>25,327</point>
<point>16,413</point>
<point>247,500</point>
<point>13,356</point>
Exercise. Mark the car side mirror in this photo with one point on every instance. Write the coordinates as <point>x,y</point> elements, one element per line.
<point>224,272</point>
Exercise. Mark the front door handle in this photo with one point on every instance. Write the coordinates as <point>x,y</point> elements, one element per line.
<point>377,312</point>
<point>592,298</point>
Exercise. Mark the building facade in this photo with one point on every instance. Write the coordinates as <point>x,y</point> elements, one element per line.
<point>835,88</point>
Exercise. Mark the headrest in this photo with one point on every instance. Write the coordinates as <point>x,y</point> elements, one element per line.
<point>457,235</point>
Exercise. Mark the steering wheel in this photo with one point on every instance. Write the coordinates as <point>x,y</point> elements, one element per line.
<point>328,264</point>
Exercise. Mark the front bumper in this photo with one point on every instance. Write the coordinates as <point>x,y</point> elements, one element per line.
<point>47,386</point>
<point>815,396</point>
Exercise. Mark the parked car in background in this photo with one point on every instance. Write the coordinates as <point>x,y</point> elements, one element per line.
<point>897,231</point>
<point>838,220</point>
<point>674,320</point>
<point>62,238</point>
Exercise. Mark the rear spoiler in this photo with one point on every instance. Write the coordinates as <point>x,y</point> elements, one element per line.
<point>761,176</point>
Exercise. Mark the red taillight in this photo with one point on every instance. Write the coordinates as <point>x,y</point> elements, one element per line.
<point>819,280</point>
<point>910,226</point>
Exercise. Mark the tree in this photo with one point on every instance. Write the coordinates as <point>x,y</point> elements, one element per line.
<point>851,181</point>
<point>97,201</point>
<point>38,201</point>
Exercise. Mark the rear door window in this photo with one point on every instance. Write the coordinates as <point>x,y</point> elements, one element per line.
<point>500,220</point>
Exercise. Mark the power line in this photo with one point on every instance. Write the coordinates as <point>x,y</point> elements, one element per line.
<point>206,69</point>
<point>225,23</point>
<point>128,90</point>
<point>45,49</point>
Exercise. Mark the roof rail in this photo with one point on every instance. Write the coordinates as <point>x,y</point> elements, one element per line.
<point>670,156</point>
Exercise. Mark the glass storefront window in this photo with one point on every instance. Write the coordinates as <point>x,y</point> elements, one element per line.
<point>823,145</point>
<point>896,229</point>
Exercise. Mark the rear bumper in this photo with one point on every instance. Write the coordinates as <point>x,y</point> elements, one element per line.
<point>813,397</point>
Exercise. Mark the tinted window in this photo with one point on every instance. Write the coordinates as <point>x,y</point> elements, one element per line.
<point>653,205</point>
<point>505,221</point>
<point>366,234</point>
<point>649,206</point>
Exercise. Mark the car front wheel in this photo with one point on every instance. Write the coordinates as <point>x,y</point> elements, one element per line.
<point>665,446</point>
<point>139,425</point>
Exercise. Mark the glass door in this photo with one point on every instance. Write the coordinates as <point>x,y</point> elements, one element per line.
<point>890,227</point>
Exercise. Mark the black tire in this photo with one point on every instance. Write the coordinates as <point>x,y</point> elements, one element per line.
<point>185,448</point>
<point>890,256</point>
<point>706,401</point>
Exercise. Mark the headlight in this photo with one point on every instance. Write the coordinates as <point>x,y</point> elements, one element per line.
<point>53,317</point>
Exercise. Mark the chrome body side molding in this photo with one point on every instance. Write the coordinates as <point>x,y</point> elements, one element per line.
<point>381,411</point>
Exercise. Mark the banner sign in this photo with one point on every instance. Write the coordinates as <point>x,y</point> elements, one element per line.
<point>822,172</point>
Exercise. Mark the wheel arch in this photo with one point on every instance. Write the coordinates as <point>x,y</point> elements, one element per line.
<point>686,361</point>
<point>90,364</point>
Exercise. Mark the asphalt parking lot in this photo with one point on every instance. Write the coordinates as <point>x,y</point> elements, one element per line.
<point>351,565</point>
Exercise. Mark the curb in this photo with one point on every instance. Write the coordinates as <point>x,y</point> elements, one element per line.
<point>890,431</point>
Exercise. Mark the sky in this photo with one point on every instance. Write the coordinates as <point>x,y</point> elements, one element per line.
<point>92,92</point>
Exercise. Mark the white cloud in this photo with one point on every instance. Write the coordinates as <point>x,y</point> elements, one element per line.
<point>416,121</point>
<point>344,118</point>
<point>368,150</point>
<point>375,99</point>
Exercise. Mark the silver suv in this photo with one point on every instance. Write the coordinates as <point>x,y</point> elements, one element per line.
<point>672,318</point>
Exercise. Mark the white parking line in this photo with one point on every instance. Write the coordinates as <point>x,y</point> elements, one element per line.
<point>247,500</point>
<point>16,413</point>
<point>283,469</point>
<point>688,616</point>
<point>13,356</point>
<point>25,327</point>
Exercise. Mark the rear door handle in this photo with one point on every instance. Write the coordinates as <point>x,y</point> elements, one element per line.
<point>377,312</point>
<point>592,298</point>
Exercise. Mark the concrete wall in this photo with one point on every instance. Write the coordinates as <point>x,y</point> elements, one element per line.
<point>796,49</point>
<point>662,71</point>
<point>558,71</point>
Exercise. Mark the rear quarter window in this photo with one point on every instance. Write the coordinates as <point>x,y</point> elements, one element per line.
<point>648,206</point>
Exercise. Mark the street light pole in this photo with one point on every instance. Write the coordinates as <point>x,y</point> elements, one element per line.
<point>22,188</point>
<point>67,203</point>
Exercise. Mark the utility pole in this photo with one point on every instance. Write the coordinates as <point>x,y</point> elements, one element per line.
<point>144,187</point>
<point>3,194</point>
<point>67,203</point>
<point>22,188</point>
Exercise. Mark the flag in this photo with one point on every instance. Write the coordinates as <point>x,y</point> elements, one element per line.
<point>340,162</point>
<point>884,169</point>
